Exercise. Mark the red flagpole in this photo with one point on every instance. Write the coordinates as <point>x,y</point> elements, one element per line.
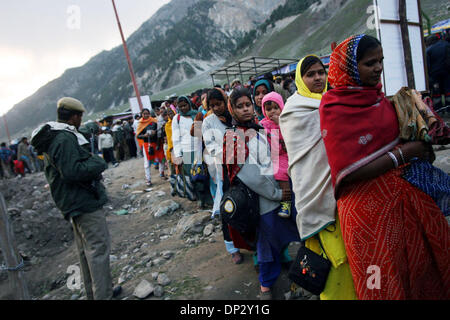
<point>130,66</point>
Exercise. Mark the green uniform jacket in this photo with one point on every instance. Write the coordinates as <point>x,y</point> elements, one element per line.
<point>74,176</point>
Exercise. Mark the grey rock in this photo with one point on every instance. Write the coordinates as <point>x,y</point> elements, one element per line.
<point>167,254</point>
<point>208,230</point>
<point>143,290</point>
<point>158,292</point>
<point>163,279</point>
<point>192,223</point>
<point>155,275</point>
<point>158,261</point>
<point>166,207</point>
<point>36,194</point>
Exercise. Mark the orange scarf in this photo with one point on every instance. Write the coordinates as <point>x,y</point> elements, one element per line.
<point>143,123</point>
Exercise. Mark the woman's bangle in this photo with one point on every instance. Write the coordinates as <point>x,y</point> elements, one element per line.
<point>401,154</point>
<point>394,159</point>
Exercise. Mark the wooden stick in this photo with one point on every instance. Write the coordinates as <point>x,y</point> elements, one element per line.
<point>7,244</point>
<point>406,44</point>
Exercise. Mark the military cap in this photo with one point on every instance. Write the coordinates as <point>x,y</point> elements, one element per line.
<point>71,104</point>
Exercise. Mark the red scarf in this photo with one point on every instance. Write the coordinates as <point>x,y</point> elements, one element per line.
<point>358,126</point>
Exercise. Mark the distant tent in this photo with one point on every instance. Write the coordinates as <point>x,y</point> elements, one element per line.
<point>439,27</point>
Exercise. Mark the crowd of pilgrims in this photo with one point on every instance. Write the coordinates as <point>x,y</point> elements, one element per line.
<point>328,158</point>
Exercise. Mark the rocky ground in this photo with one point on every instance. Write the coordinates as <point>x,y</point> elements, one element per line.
<point>163,247</point>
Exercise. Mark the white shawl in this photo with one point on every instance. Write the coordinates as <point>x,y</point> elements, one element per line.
<point>308,165</point>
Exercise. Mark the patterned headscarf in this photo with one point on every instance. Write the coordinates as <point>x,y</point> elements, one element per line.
<point>344,65</point>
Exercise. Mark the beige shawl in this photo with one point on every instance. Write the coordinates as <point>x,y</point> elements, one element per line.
<point>308,165</point>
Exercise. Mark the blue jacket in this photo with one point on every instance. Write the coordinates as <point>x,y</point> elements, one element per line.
<point>437,59</point>
<point>5,154</point>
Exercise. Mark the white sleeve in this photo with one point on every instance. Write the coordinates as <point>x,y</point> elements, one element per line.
<point>213,139</point>
<point>100,140</point>
<point>176,138</point>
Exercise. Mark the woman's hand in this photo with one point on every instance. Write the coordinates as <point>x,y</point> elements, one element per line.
<point>276,119</point>
<point>416,149</point>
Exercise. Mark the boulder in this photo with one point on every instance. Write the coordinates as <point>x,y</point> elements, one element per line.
<point>193,223</point>
<point>208,230</point>
<point>159,291</point>
<point>166,207</point>
<point>163,279</point>
<point>144,289</point>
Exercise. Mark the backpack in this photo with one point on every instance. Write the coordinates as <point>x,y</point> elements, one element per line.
<point>239,207</point>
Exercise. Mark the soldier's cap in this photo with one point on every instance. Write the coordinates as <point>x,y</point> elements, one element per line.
<point>71,104</point>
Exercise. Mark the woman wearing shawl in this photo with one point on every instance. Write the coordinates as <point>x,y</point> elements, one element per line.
<point>396,237</point>
<point>247,157</point>
<point>311,177</point>
<point>147,138</point>
<point>213,130</point>
<point>187,149</point>
<point>171,112</point>
<point>261,88</point>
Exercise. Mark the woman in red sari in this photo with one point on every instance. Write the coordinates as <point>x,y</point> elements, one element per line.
<point>396,237</point>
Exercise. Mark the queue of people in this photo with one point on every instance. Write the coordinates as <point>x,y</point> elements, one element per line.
<point>325,165</point>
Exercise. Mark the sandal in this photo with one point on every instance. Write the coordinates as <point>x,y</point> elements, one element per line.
<point>237,257</point>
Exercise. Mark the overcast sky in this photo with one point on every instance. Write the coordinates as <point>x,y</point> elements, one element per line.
<point>40,39</point>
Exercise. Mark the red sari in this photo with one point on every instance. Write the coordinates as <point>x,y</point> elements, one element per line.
<point>388,223</point>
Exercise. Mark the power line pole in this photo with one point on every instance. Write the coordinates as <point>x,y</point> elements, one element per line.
<point>130,66</point>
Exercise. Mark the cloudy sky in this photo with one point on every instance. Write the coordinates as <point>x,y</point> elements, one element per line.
<point>40,39</point>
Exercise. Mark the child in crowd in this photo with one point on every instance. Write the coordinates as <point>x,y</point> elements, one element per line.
<point>106,145</point>
<point>272,105</point>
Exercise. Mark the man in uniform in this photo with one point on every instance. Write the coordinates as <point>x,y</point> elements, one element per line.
<point>74,175</point>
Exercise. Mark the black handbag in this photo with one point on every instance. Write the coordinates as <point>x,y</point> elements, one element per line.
<point>239,207</point>
<point>310,270</point>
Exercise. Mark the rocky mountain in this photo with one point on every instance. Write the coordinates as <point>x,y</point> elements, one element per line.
<point>186,39</point>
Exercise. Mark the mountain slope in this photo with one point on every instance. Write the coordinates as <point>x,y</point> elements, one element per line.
<point>183,39</point>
